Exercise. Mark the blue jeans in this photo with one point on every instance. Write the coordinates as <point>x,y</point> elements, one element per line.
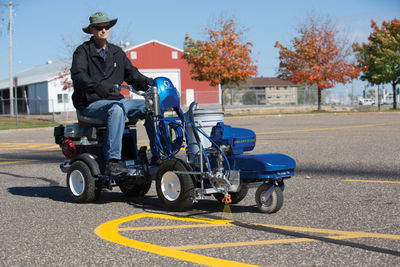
<point>115,112</point>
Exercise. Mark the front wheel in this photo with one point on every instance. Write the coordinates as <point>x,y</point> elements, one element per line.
<point>175,190</point>
<point>81,184</point>
<point>267,201</point>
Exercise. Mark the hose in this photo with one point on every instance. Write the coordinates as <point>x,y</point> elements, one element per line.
<point>166,147</point>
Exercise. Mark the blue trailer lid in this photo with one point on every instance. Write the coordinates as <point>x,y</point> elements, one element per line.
<point>263,166</point>
<point>271,162</point>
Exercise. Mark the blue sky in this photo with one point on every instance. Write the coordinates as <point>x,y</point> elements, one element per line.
<point>41,26</point>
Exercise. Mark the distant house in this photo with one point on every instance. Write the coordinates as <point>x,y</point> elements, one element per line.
<point>273,91</point>
<point>40,89</point>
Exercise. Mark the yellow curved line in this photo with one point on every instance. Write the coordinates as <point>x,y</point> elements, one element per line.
<point>110,231</point>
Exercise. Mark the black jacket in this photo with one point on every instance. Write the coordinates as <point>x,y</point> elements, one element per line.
<point>95,79</point>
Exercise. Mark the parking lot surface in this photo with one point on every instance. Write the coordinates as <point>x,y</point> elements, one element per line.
<point>341,208</point>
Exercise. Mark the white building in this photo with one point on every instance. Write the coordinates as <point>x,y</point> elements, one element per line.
<point>39,90</point>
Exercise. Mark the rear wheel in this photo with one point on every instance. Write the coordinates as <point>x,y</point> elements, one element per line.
<point>269,198</point>
<point>81,184</point>
<point>175,191</point>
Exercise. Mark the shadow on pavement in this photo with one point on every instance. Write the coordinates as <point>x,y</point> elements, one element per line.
<point>56,193</point>
<point>51,182</point>
<point>204,207</point>
<point>34,157</point>
<point>347,172</point>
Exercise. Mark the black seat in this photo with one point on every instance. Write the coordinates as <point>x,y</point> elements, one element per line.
<point>86,121</point>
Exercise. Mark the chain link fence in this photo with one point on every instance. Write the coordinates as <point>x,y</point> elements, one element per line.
<point>237,98</point>
<point>36,108</point>
<point>233,100</point>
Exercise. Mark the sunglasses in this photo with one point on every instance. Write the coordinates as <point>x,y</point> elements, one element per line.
<point>99,28</point>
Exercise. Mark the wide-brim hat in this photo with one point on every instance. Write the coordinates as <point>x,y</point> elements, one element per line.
<point>99,17</point>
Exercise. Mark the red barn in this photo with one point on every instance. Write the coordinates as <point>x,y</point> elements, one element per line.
<point>155,59</point>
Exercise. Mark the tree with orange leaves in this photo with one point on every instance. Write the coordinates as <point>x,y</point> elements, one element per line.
<point>380,58</point>
<point>316,57</point>
<point>65,77</point>
<point>223,59</point>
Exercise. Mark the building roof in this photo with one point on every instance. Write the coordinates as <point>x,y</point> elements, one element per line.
<point>149,42</point>
<point>38,74</point>
<point>270,81</point>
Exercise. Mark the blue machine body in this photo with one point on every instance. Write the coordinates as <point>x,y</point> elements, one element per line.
<point>239,139</point>
<point>169,97</point>
<point>251,166</point>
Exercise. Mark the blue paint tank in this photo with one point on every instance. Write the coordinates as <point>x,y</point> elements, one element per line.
<point>239,139</point>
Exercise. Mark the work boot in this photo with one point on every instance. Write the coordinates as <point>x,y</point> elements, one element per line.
<point>115,168</point>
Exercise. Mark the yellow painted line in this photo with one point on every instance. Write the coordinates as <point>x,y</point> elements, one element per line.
<point>6,145</point>
<point>327,129</point>
<point>149,228</point>
<point>4,161</point>
<point>10,162</point>
<point>31,146</point>
<point>28,146</point>
<point>49,147</point>
<point>21,144</point>
<point>372,181</point>
<point>309,230</point>
<point>329,231</point>
<point>240,244</point>
<point>257,243</point>
<point>110,231</point>
<point>340,235</point>
<point>23,148</point>
<point>283,241</point>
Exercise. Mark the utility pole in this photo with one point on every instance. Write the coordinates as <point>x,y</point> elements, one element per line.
<point>352,93</point>
<point>10,7</point>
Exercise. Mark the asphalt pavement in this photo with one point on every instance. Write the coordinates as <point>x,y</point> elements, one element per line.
<point>341,208</point>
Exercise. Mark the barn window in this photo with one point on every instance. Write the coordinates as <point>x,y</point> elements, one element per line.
<point>133,55</point>
<point>174,55</point>
<point>62,98</point>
